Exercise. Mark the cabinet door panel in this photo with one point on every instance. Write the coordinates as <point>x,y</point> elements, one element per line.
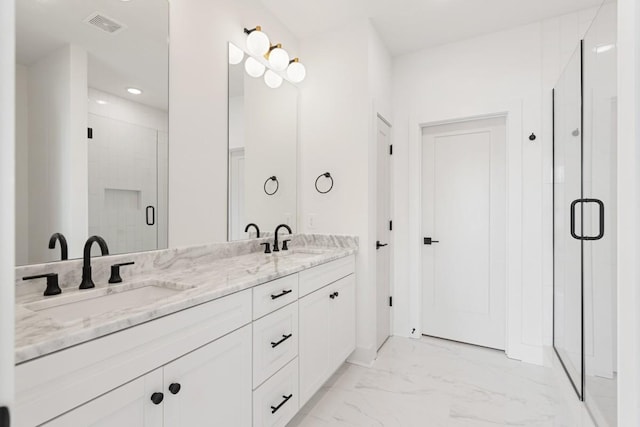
<point>215,384</point>
<point>127,406</point>
<point>342,321</point>
<point>314,342</point>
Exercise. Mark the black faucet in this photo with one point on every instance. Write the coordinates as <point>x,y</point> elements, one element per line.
<point>254,226</point>
<point>276,248</point>
<point>64,251</point>
<point>87,281</point>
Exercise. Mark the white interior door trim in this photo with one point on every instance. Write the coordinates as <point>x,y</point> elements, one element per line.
<point>513,111</point>
<point>7,193</point>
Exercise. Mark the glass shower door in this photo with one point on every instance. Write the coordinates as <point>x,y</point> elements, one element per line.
<point>600,183</point>
<point>567,221</point>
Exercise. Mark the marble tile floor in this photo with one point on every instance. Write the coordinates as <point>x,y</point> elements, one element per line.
<point>431,382</point>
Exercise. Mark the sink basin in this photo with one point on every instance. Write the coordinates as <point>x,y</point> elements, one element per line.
<point>95,302</point>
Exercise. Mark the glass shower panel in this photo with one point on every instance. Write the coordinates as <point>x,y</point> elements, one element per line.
<point>599,183</point>
<point>567,155</point>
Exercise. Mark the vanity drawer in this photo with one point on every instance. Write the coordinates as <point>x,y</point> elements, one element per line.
<point>276,401</point>
<point>274,295</point>
<point>315,278</point>
<point>275,342</point>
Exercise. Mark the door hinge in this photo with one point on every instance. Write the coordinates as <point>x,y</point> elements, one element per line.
<point>391,150</point>
<point>90,133</point>
<point>390,301</point>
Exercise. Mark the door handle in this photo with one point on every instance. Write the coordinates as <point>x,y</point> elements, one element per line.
<point>151,221</point>
<point>429,240</point>
<point>380,245</point>
<point>573,219</point>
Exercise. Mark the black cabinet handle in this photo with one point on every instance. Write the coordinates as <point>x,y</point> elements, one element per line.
<point>174,388</point>
<point>429,240</point>
<point>157,398</point>
<point>5,419</point>
<point>283,293</point>
<point>573,219</point>
<point>151,221</point>
<point>380,245</point>
<point>284,338</point>
<point>334,295</point>
<point>337,294</point>
<point>274,409</point>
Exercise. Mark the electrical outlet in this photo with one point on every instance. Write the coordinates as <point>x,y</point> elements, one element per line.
<point>312,221</point>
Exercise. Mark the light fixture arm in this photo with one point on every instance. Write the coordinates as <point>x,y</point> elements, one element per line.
<point>257,28</point>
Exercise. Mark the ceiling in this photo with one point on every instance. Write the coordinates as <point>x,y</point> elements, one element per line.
<point>137,56</point>
<point>410,25</point>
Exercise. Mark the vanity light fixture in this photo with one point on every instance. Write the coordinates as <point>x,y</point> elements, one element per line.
<point>257,42</point>
<point>272,79</point>
<point>296,71</point>
<point>253,67</point>
<point>236,55</point>
<point>134,91</point>
<point>278,57</point>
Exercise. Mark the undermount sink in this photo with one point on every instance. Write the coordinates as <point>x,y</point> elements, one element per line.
<point>94,302</point>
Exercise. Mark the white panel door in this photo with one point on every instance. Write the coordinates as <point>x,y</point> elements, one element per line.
<point>383,234</point>
<point>127,406</point>
<point>214,382</point>
<point>464,215</point>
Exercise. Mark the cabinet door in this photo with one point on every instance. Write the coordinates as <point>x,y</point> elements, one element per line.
<point>129,405</point>
<point>314,342</point>
<point>342,321</point>
<point>214,384</point>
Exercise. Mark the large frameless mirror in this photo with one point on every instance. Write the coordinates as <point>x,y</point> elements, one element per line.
<point>263,141</point>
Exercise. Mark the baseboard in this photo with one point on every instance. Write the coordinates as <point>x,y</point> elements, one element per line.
<point>363,357</point>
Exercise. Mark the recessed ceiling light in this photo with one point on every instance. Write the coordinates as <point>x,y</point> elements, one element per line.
<point>134,91</point>
<point>101,101</point>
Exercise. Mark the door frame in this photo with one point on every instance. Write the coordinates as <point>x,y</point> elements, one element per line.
<point>515,347</point>
<point>380,116</point>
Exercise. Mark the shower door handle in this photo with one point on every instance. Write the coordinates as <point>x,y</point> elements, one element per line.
<point>573,219</point>
<point>151,220</point>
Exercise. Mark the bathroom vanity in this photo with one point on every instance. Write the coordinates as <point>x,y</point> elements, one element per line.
<point>222,335</point>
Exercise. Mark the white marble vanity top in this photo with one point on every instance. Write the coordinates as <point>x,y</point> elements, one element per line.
<point>199,281</point>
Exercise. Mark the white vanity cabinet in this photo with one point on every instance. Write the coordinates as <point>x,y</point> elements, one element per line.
<point>327,333</point>
<point>210,386</point>
<point>252,358</point>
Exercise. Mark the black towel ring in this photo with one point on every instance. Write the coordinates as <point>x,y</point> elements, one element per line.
<point>326,175</point>
<point>271,178</point>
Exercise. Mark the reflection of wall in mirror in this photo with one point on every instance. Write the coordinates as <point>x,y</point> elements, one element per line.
<point>51,181</point>
<point>270,130</point>
<point>237,220</point>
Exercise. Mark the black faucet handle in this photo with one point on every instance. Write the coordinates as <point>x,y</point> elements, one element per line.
<point>115,272</point>
<point>267,247</point>
<point>285,247</point>
<point>52,283</point>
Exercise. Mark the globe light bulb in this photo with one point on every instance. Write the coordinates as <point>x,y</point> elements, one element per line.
<point>296,72</point>
<point>236,55</point>
<point>253,67</point>
<point>258,42</point>
<point>272,79</point>
<point>279,59</point>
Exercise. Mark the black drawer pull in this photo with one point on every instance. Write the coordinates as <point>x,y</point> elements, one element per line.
<point>175,388</point>
<point>281,294</point>
<point>284,338</point>
<point>274,409</point>
<point>157,398</point>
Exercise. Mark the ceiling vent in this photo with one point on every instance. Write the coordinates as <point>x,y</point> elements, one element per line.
<point>104,23</point>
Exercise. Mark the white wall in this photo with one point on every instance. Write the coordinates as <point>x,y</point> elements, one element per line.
<point>7,190</point>
<point>57,108</point>
<point>198,110</point>
<point>628,213</point>
<point>22,165</point>
<point>511,71</point>
<point>337,129</point>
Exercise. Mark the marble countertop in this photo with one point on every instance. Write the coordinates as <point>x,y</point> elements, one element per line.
<point>38,335</point>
